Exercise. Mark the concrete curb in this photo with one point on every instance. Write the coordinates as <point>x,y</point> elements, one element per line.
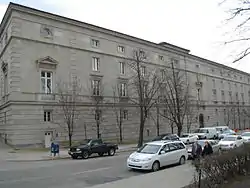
<point>64,157</point>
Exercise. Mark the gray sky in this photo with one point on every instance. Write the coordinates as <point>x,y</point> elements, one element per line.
<point>193,24</point>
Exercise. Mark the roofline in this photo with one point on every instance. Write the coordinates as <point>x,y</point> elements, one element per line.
<point>19,7</point>
<point>184,52</point>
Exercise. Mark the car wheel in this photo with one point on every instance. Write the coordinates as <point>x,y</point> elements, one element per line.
<point>182,160</point>
<point>85,155</point>
<point>215,137</point>
<point>156,166</point>
<point>100,154</point>
<point>74,157</point>
<point>112,152</point>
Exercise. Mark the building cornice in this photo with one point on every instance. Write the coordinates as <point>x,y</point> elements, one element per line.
<point>162,46</point>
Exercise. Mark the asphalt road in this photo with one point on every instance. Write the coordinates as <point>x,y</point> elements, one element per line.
<point>67,173</point>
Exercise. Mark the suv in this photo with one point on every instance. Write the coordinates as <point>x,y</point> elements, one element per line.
<point>154,155</point>
<point>166,136</point>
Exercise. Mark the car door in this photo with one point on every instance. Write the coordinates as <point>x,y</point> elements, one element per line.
<point>239,141</point>
<point>96,146</point>
<point>174,153</point>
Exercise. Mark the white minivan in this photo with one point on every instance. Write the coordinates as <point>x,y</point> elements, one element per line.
<point>206,133</point>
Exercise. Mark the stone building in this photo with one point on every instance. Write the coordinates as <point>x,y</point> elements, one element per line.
<point>38,49</point>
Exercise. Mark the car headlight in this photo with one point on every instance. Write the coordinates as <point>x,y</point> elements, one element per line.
<point>148,159</point>
<point>77,149</point>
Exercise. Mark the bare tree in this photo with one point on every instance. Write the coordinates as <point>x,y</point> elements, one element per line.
<point>191,116</point>
<point>144,85</point>
<point>69,98</point>
<point>156,118</point>
<point>239,17</point>
<point>176,97</point>
<point>97,103</point>
<point>118,110</point>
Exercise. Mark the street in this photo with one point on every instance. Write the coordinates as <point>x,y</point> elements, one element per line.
<point>70,173</point>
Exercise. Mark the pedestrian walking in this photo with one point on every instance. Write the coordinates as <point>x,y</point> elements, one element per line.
<point>207,150</point>
<point>196,150</point>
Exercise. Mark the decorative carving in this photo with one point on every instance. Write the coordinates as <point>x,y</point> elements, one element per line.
<point>46,31</point>
<point>46,62</point>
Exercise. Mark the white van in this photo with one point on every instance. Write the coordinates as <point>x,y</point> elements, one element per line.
<point>206,133</point>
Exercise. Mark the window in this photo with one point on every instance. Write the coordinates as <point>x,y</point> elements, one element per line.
<point>229,86</point>
<point>6,85</point>
<point>165,112</point>
<point>197,66</point>
<point>214,95</point>
<point>125,114</point>
<point>98,114</point>
<point>47,116</point>
<point>122,68</point>
<point>222,95</point>
<point>142,53</point>
<point>96,87</point>
<point>95,43</point>
<point>235,77</point>
<point>213,82</point>
<point>235,86</point>
<point>123,90</point>
<point>242,97</point>
<point>221,73</point>
<point>241,87</point>
<point>212,70</point>
<point>222,84</point>
<point>161,57</point>
<point>143,70</point>
<point>174,61</point>
<point>46,82</point>
<point>162,74</point>
<point>241,78</point>
<point>121,49</point>
<point>95,63</point>
<point>236,96</point>
<point>180,145</point>
<point>172,147</point>
<point>216,111</point>
<point>230,95</point>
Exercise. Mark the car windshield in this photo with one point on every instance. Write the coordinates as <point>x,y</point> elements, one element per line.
<point>185,136</point>
<point>149,148</point>
<point>229,138</point>
<point>202,143</point>
<point>86,141</point>
<point>200,131</point>
<point>246,134</point>
<point>227,131</point>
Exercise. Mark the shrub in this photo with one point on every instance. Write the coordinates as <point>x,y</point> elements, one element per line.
<point>217,169</point>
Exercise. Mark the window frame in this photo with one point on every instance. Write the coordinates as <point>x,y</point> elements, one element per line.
<point>46,78</point>
<point>95,43</point>
<point>121,49</point>
<point>122,67</point>
<point>95,63</point>
<point>47,115</point>
<point>96,91</point>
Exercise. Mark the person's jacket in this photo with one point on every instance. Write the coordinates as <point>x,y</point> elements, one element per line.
<point>198,151</point>
<point>207,150</point>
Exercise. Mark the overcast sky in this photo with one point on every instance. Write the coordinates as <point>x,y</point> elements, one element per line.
<point>196,25</point>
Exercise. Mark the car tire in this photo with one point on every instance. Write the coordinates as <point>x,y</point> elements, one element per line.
<point>101,154</point>
<point>182,160</point>
<point>111,152</point>
<point>215,137</point>
<point>155,166</point>
<point>85,155</point>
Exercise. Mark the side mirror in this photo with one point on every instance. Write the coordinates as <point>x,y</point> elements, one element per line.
<point>162,152</point>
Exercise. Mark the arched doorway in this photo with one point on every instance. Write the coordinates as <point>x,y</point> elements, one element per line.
<point>201,120</point>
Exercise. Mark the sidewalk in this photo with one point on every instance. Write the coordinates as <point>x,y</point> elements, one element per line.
<point>30,156</point>
<point>176,177</point>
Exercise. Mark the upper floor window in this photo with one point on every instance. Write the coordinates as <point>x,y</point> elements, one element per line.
<point>212,70</point>
<point>241,78</point>
<point>46,82</point>
<point>197,66</point>
<point>229,85</point>
<point>125,114</point>
<point>96,87</point>
<point>142,53</point>
<point>95,63</point>
<point>95,43</point>
<point>98,115</point>
<point>143,70</point>
<point>122,68</point>
<point>235,77</point>
<point>123,90</point>
<point>161,57</point>
<point>213,82</point>
<point>121,49</point>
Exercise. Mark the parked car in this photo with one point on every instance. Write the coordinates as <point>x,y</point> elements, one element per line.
<point>166,136</point>
<point>214,143</point>
<point>226,133</point>
<point>221,129</point>
<point>206,133</point>
<point>89,146</point>
<point>230,142</point>
<point>188,138</point>
<point>246,137</point>
<point>154,155</point>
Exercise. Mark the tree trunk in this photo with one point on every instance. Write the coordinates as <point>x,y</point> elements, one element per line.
<point>141,130</point>
<point>157,122</point>
<point>172,128</point>
<point>120,127</point>
<point>98,129</point>
<point>70,139</point>
<point>179,129</point>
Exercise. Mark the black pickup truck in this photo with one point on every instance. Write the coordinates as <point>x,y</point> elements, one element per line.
<point>90,146</point>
